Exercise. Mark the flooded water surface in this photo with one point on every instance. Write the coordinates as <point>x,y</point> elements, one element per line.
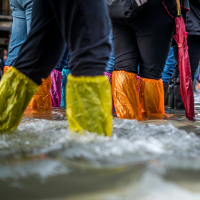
<point>157,159</point>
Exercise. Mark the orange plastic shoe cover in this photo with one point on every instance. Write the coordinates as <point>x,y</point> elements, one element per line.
<point>6,68</point>
<point>125,95</point>
<point>151,96</point>
<point>42,99</point>
<point>199,86</point>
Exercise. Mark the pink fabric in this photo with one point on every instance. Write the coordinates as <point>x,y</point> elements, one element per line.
<point>56,78</point>
<point>138,78</point>
<point>110,80</point>
<point>186,88</point>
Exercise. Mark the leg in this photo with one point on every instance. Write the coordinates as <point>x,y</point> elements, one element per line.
<point>154,32</point>
<point>19,85</point>
<point>42,50</point>
<point>85,25</point>
<point>56,78</point>
<point>124,81</point>
<point>89,97</point>
<point>19,31</point>
<point>167,74</point>
<point>125,47</point>
<point>28,4</point>
<point>194,52</point>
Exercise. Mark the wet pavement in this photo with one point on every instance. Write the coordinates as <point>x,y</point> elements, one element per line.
<point>156,159</point>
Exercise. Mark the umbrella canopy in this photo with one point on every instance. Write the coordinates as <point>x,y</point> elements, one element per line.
<point>186,89</point>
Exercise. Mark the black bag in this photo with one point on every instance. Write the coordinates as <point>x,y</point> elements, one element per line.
<point>123,9</point>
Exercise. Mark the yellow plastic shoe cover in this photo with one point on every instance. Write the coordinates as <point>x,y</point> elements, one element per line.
<point>151,96</point>
<point>16,90</point>
<point>125,95</point>
<point>89,105</point>
<point>6,68</point>
<point>42,99</point>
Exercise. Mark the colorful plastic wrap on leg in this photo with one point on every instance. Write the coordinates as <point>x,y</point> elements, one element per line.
<point>89,104</point>
<point>56,78</point>
<point>6,68</point>
<point>16,90</point>
<point>65,73</point>
<point>151,96</point>
<point>110,80</point>
<point>125,95</point>
<point>42,99</point>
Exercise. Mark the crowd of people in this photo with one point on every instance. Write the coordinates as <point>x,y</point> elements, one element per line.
<point>68,47</point>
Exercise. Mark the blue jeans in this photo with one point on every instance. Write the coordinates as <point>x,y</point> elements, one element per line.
<point>169,67</point>
<point>64,63</point>
<point>21,12</point>
<point>111,62</point>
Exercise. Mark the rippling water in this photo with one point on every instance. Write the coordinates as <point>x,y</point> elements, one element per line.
<point>148,160</point>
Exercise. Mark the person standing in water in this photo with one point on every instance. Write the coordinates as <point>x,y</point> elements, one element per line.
<point>141,42</point>
<point>21,13</point>
<point>84,26</point>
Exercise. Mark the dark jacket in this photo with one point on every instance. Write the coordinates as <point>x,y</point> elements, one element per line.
<point>193,18</point>
<point>128,8</point>
<point>170,6</point>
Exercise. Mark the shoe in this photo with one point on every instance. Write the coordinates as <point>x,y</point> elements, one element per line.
<point>42,99</point>
<point>65,73</point>
<point>89,105</point>
<point>171,93</point>
<point>151,96</point>
<point>6,68</point>
<point>125,95</point>
<point>166,94</point>
<point>178,103</point>
<point>56,78</point>
<point>16,90</point>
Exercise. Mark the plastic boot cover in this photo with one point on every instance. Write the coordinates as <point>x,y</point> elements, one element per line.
<point>178,103</point>
<point>56,78</point>
<point>6,68</point>
<point>42,99</point>
<point>125,95</point>
<point>110,80</point>
<point>89,104</point>
<point>171,93</point>
<point>151,96</point>
<point>65,73</point>
<point>16,90</point>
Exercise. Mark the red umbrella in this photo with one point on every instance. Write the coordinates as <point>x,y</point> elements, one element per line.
<point>186,89</point>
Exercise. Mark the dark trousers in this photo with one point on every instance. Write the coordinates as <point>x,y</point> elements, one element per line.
<point>144,41</point>
<point>82,25</point>
<point>1,73</point>
<point>194,54</point>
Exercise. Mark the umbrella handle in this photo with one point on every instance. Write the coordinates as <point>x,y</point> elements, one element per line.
<point>178,7</point>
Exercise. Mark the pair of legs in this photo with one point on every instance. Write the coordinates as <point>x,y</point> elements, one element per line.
<point>21,12</point>
<point>57,22</point>
<point>193,42</point>
<point>175,99</point>
<point>84,27</point>
<point>141,43</point>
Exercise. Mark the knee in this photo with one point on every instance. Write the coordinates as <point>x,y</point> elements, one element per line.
<point>128,65</point>
<point>150,73</point>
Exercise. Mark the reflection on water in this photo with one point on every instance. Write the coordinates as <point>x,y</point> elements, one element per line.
<point>147,160</point>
